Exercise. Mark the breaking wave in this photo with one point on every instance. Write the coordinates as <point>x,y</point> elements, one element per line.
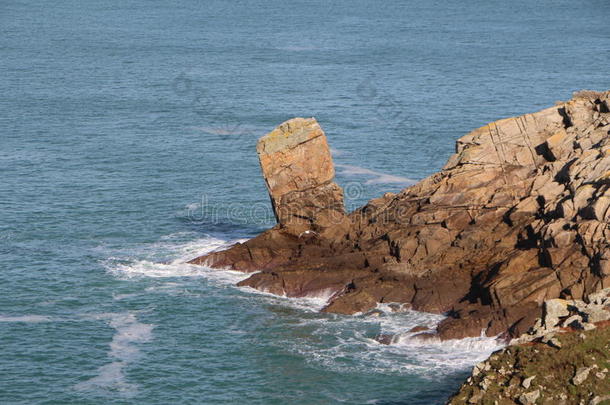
<point>168,259</point>
<point>336,342</point>
<point>355,348</point>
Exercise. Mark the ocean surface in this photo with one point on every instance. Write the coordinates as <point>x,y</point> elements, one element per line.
<point>127,147</point>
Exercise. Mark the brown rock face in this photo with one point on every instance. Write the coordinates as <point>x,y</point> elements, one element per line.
<point>298,170</point>
<point>518,215</point>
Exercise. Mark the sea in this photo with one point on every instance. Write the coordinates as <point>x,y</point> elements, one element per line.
<point>127,147</point>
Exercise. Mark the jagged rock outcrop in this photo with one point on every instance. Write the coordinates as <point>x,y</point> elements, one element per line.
<point>518,215</point>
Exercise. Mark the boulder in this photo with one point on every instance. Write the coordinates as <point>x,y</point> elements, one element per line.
<point>553,310</point>
<point>598,399</point>
<point>527,382</point>
<point>529,398</point>
<point>574,321</point>
<point>581,374</point>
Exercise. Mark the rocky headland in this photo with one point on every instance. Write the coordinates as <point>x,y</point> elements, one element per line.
<point>517,216</point>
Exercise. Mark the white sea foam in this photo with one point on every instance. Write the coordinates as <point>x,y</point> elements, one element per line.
<point>157,270</point>
<point>128,331</point>
<point>375,177</point>
<point>180,253</point>
<point>175,269</point>
<point>311,303</point>
<point>25,318</point>
<point>355,347</point>
<point>180,246</point>
<point>110,376</point>
<point>123,350</point>
<point>437,355</point>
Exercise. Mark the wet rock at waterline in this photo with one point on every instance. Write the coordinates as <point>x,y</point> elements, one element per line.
<point>518,216</point>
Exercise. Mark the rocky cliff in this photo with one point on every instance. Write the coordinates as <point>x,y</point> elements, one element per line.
<point>518,215</point>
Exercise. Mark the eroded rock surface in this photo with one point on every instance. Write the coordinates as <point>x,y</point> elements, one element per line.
<point>298,170</point>
<point>518,215</point>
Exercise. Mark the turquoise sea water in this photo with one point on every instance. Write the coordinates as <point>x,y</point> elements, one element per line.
<point>127,135</point>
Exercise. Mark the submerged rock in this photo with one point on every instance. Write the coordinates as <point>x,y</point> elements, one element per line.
<point>518,215</point>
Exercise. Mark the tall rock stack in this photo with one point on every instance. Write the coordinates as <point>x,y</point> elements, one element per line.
<point>298,170</point>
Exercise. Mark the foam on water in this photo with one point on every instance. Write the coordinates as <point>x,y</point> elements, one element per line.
<point>169,257</point>
<point>356,349</point>
<point>349,341</point>
<point>176,255</point>
<point>310,303</point>
<point>120,297</point>
<point>148,268</point>
<point>123,350</point>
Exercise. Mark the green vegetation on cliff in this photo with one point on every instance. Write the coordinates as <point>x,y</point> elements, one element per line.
<point>537,373</point>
